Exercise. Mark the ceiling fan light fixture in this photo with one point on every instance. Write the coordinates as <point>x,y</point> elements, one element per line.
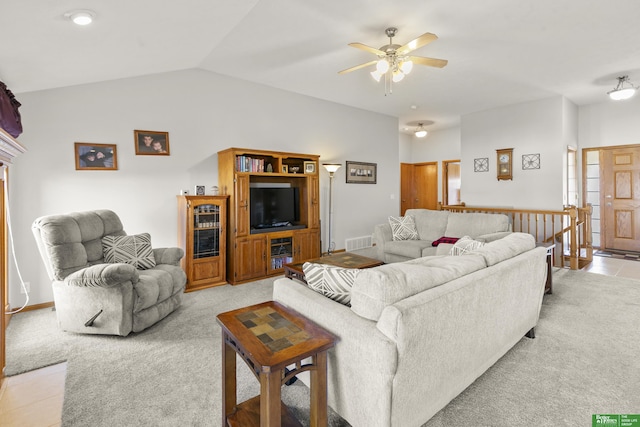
<point>620,92</point>
<point>382,66</point>
<point>376,75</point>
<point>397,76</point>
<point>406,66</point>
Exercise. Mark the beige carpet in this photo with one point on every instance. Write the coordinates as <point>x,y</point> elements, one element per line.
<point>583,361</point>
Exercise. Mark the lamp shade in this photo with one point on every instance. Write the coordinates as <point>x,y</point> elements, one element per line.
<point>331,167</point>
<point>382,66</point>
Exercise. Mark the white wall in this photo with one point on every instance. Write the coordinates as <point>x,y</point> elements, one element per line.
<point>609,123</point>
<point>435,147</point>
<point>529,128</point>
<point>203,113</point>
<point>405,143</point>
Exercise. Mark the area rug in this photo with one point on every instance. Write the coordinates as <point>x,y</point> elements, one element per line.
<point>583,361</point>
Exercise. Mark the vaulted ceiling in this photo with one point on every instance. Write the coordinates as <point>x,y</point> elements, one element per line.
<point>500,52</point>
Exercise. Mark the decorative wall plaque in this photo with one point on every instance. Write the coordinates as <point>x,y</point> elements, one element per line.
<point>530,161</point>
<point>481,165</point>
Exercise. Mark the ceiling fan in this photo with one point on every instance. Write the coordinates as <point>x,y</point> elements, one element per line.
<point>394,60</point>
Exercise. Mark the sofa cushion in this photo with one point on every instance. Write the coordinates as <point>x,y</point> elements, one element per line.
<point>465,246</point>
<point>375,288</point>
<point>135,250</point>
<point>330,281</point>
<point>407,248</point>
<point>475,224</point>
<point>505,248</point>
<point>431,224</point>
<point>403,228</point>
<point>156,285</point>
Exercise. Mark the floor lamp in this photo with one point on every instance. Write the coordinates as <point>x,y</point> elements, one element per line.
<point>331,168</point>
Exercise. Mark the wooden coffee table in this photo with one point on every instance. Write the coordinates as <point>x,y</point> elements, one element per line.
<point>342,259</point>
<point>269,337</point>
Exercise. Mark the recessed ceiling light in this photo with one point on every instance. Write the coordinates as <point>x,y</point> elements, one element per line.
<point>81,17</point>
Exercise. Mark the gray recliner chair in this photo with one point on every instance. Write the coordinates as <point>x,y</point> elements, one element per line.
<point>94,296</point>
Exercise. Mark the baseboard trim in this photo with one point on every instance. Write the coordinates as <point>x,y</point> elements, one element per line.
<point>38,306</point>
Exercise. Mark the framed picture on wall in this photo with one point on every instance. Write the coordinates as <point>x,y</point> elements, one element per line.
<point>90,156</point>
<point>361,173</point>
<point>152,143</point>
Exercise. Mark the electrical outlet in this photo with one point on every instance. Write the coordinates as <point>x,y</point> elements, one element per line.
<point>27,287</point>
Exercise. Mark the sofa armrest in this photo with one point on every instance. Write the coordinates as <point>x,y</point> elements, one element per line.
<point>381,234</point>
<point>168,255</point>
<point>103,275</point>
<point>490,237</point>
<point>361,366</point>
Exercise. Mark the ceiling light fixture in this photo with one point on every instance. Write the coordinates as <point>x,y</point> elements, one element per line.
<point>420,131</point>
<point>81,17</point>
<point>621,92</point>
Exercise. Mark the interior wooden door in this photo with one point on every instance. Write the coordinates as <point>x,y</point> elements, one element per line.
<point>620,193</point>
<point>426,185</point>
<point>451,182</point>
<point>407,188</point>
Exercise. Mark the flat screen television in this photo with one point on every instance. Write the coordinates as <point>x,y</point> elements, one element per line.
<point>274,207</point>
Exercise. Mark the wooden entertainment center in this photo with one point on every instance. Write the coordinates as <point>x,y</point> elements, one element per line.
<point>256,253</point>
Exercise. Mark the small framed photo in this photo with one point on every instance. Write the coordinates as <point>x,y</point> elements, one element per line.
<point>309,167</point>
<point>285,169</point>
<point>99,157</point>
<point>149,142</point>
<point>199,190</point>
<point>361,173</point>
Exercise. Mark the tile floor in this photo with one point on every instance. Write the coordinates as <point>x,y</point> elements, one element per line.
<point>34,399</point>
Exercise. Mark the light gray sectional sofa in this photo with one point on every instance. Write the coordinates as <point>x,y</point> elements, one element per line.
<point>431,225</point>
<point>419,332</point>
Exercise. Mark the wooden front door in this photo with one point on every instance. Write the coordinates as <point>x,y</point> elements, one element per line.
<point>620,193</point>
<point>418,186</point>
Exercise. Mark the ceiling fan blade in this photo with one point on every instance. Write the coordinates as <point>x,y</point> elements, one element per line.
<point>424,39</point>
<point>357,67</point>
<point>431,62</point>
<point>367,48</point>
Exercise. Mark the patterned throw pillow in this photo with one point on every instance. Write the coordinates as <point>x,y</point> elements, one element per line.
<point>332,282</point>
<point>135,250</point>
<point>465,245</point>
<point>403,228</point>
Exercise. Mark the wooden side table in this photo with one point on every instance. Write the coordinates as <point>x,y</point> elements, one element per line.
<point>269,337</point>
